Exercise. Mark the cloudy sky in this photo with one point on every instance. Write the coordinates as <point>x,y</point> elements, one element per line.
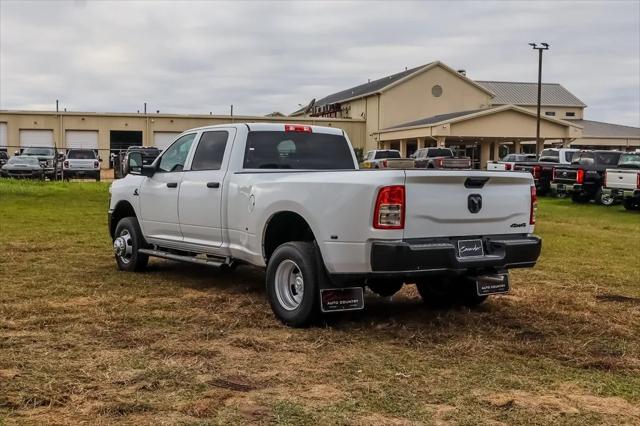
<point>197,57</point>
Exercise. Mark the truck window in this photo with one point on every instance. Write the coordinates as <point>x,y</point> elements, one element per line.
<point>210,151</point>
<point>81,154</point>
<point>550,155</point>
<point>631,161</point>
<point>608,158</point>
<point>174,157</point>
<point>387,154</point>
<point>297,150</point>
<point>439,152</point>
<point>583,159</point>
<point>568,156</point>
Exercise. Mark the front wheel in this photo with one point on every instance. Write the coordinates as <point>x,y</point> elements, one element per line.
<point>631,204</point>
<point>128,240</point>
<point>292,284</point>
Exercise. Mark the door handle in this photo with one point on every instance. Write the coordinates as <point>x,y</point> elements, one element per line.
<point>213,184</point>
<point>172,184</point>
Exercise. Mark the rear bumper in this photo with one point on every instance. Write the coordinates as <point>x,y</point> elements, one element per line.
<point>440,255</point>
<point>621,194</point>
<point>81,172</point>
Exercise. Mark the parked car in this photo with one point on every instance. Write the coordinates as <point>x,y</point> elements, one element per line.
<point>81,163</point>
<point>48,157</point>
<point>583,178</point>
<point>290,198</point>
<point>3,158</point>
<point>623,182</point>
<point>148,153</point>
<point>386,159</point>
<point>542,170</point>
<point>439,158</point>
<point>509,161</point>
<point>24,167</point>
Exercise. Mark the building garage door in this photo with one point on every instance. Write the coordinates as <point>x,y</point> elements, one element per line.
<point>3,137</point>
<point>82,139</point>
<point>36,138</point>
<point>161,140</point>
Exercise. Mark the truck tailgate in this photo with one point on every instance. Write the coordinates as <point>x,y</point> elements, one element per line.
<point>441,203</point>
<point>622,179</point>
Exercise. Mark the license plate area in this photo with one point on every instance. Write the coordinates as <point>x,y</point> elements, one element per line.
<point>470,248</point>
<point>492,284</point>
<point>341,299</point>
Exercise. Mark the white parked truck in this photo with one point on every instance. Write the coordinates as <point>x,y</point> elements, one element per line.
<point>509,161</point>
<point>623,183</point>
<point>291,198</point>
<point>81,163</point>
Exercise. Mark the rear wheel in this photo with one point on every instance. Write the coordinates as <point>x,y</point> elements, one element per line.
<point>128,240</point>
<point>292,284</point>
<point>631,204</point>
<point>604,199</point>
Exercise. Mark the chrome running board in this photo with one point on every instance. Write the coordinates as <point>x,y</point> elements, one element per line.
<point>209,261</point>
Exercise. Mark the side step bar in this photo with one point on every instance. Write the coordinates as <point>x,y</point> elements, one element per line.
<point>216,262</point>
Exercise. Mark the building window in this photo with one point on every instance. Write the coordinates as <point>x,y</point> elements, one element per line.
<point>436,91</point>
<point>570,114</point>
<point>550,113</point>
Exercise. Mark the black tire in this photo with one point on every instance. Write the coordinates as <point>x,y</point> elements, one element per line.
<point>303,256</point>
<point>384,288</point>
<point>129,226</point>
<point>97,177</point>
<point>631,204</point>
<point>561,195</point>
<point>604,200</point>
<point>579,198</point>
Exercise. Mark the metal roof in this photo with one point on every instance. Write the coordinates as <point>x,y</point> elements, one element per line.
<point>598,129</point>
<point>437,118</point>
<point>520,93</point>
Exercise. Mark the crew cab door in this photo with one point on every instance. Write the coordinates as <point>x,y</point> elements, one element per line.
<point>200,199</point>
<point>159,193</point>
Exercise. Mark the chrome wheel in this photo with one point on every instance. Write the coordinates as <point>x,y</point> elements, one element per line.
<point>123,246</point>
<point>289,285</point>
<point>606,200</point>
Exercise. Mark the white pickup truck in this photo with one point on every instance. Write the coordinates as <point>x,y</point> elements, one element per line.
<point>509,161</point>
<point>623,182</point>
<point>80,163</point>
<point>290,198</point>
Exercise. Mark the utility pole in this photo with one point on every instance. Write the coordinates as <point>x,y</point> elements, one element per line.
<point>232,110</point>
<point>540,49</point>
<point>145,107</point>
<point>57,109</point>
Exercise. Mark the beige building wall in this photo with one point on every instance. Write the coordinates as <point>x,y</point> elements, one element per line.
<point>561,112</point>
<point>508,124</point>
<point>413,100</point>
<point>147,124</point>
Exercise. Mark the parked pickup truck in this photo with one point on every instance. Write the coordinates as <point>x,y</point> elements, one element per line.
<point>509,161</point>
<point>623,182</point>
<point>542,170</point>
<point>439,158</point>
<point>583,178</point>
<point>386,159</point>
<point>290,198</point>
<point>49,158</point>
<point>81,163</point>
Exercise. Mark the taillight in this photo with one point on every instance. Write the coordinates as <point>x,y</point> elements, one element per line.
<point>534,206</point>
<point>536,172</point>
<point>96,164</point>
<point>638,181</point>
<point>66,164</point>
<point>507,166</point>
<point>390,206</point>
<point>579,176</point>
<point>297,128</point>
<point>384,163</point>
<point>440,162</point>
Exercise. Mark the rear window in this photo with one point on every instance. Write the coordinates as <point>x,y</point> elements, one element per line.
<point>568,156</point>
<point>297,150</point>
<point>629,160</point>
<point>583,159</point>
<point>439,152</point>
<point>85,154</point>
<point>608,158</point>
<point>550,155</point>
<point>387,154</point>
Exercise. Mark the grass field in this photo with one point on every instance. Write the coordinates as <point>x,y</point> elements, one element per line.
<point>183,344</point>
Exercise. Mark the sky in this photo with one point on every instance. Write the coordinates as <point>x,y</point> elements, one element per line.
<point>202,56</point>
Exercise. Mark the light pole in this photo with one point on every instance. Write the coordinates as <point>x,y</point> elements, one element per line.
<point>542,47</point>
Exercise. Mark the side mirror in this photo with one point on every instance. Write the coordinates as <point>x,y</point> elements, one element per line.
<point>135,165</point>
<point>16,153</point>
